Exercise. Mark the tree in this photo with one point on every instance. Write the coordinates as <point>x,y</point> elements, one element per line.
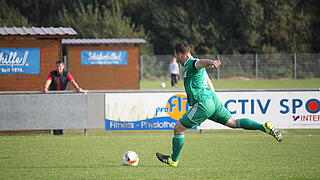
<point>39,12</point>
<point>11,17</point>
<point>210,26</point>
<point>241,22</point>
<point>285,28</point>
<point>171,21</point>
<point>311,10</point>
<point>99,22</point>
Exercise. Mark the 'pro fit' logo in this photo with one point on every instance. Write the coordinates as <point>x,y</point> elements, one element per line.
<point>176,106</point>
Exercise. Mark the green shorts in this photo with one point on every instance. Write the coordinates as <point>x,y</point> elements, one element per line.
<point>212,109</point>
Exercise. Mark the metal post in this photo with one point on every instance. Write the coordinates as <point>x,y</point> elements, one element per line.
<point>256,61</point>
<point>218,69</point>
<point>141,68</point>
<point>65,62</point>
<point>295,65</point>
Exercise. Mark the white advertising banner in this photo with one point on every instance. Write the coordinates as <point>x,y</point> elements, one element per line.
<point>144,111</point>
<point>286,110</point>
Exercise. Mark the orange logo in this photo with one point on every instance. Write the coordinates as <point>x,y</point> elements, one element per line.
<point>177,106</point>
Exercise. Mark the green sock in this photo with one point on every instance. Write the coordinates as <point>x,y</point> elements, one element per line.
<point>249,124</point>
<point>177,144</point>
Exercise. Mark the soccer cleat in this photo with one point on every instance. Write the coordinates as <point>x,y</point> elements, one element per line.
<point>166,159</point>
<point>270,129</point>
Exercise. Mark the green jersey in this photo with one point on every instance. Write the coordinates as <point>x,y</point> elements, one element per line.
<point>195,82</point>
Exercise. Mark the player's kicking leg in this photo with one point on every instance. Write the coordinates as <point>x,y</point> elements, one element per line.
<point>252,125</point>
<point>270,129</point>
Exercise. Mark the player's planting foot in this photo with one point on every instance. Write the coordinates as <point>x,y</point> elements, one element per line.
<point>166,159</point>
<point>270,129</point>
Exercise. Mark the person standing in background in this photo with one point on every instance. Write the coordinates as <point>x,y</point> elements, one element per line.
<point>174,71</point>
<point>58,80</point>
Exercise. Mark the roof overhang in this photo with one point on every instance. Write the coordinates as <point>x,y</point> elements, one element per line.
<point>38,32</point>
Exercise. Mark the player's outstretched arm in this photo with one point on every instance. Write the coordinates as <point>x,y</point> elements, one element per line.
<point>203,63</point>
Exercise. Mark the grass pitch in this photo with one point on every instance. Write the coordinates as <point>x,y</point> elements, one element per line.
<point>243,84</point>
<point>215,154</point>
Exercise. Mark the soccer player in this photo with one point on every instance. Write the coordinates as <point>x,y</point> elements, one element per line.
<point>205,104</point>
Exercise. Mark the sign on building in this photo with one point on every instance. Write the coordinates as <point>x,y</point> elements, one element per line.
<point>104,57</point>
<point>19,60</point>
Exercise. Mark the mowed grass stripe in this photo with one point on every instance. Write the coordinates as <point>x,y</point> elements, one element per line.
<point>215,154</point>
<point>243,84</point>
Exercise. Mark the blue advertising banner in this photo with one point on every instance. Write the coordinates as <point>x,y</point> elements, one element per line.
<point>158,123</point>
<point>104,57</point>
<point>19,60</point>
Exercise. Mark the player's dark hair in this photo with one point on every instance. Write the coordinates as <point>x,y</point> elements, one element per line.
<point>59,62</point>
<point>182,47</point>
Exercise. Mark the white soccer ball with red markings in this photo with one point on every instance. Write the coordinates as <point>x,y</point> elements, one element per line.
<point>162,84</point>
<point>130,158</point>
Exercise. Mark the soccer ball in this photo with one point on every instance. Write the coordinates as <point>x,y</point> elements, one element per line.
<point>130,158</point>
<point>162,84</point>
